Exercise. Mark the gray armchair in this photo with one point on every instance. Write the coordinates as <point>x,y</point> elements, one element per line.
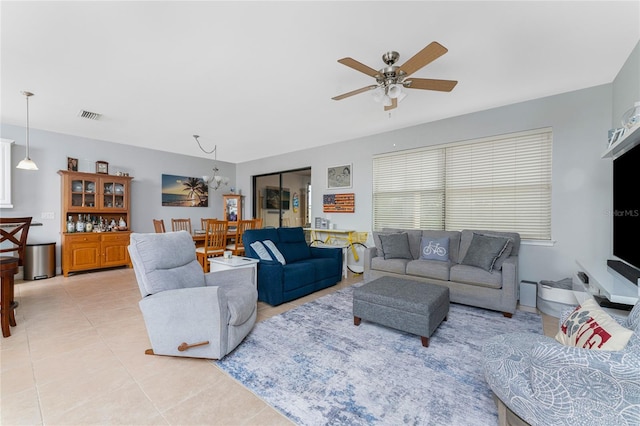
<point>539,381</point>
<point>187,312</point>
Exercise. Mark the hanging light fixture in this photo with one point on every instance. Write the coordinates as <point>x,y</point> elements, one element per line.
<point>216,180</point>
<point>391,81</point>
<point>27,163</point>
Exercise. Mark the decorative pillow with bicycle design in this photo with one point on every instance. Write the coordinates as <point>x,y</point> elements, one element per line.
<point>434,249</point>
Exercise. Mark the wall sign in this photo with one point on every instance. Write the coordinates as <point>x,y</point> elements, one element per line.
<point>339,203</point>
<point>296,202</point>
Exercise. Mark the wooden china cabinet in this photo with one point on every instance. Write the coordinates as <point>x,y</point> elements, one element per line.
<point>98,198</point>
<point>232,208</point>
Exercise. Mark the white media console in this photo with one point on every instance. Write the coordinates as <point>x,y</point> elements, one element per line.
<point>609,283</point>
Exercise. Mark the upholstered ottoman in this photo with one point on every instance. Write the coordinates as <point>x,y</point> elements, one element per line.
<point>406,305</point>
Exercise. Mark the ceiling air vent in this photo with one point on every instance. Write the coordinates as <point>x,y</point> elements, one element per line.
<point>89,115</point>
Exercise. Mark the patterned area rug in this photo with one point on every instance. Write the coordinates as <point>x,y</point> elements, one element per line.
<point>317,368</point>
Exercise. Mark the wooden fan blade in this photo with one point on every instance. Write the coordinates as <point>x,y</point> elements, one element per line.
<point>427,55</point>
<point>430,84</point>
<point>354,92</point>
<point>352,63</point>
<point>394,104</point>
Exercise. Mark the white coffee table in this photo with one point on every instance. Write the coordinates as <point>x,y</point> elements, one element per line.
<point>217,264</point>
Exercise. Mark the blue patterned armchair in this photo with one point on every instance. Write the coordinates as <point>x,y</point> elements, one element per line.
<point>541,382</point>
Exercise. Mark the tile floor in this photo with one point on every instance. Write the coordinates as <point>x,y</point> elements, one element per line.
<point>77,357</point>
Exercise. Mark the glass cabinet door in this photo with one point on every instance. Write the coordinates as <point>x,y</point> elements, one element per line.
<point>113,194</point>
<point>83,193</point>
<point>232,208</point>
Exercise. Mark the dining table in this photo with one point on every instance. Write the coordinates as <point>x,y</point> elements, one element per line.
<point>199,236</point>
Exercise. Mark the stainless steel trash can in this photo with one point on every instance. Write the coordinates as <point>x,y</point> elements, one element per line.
<point>39,261</point>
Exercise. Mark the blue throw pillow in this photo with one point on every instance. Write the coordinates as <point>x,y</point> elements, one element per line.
<point>434,249</point>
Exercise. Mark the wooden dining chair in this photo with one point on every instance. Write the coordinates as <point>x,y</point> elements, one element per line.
<point>158,225</point>
<point>215,242</point>
<point>13,239</point>
<point>181,225</point>
<point>237,247</point>
<point>203,222</point>
<point>257,223</point>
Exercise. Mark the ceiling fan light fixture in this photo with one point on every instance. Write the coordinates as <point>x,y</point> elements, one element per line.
<point>395,90</point>
<point>390,80</point>
<point>378,93</point>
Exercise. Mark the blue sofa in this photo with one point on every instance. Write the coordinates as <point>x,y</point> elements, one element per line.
<point>306,269</point>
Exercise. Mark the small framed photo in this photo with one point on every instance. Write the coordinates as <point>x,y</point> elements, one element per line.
<point>339,177</point>
<point>102,167</point>
<point>72,164</point>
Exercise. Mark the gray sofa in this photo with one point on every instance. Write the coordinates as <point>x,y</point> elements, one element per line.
<point>479,267</point>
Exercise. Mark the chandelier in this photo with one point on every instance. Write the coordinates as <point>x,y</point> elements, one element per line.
<point>216,180</point>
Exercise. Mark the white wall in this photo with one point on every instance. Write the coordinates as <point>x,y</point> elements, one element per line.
<point>35,192</point>
<point>581,197</point>
<point>626,87</point>
<point>581,226</point>
<point>581,180</point>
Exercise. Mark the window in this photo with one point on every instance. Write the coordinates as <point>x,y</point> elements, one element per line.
<point>502,183</point>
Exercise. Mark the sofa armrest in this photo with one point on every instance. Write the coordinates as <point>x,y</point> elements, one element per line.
<point>510,276</point>
<point>176,316</point>
<point>326,252</point>
<point>269,270</point>
<point>369,254</point>
<point>270,281</point>
<point>229,277</point>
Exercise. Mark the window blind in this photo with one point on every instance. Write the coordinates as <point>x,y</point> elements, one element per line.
<point>501,183</point>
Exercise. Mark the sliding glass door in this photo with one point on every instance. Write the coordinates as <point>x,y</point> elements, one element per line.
<point>282,199</point>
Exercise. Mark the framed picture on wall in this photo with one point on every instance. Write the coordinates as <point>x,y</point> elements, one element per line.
<point>72,164</point>
<point>273,201</point>
<point>272,198</point>
<point>184,191</point>
<point>339,177</point>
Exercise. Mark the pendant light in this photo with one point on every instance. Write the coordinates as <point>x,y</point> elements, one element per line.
<point>27,163</point>
<point>216,180</point>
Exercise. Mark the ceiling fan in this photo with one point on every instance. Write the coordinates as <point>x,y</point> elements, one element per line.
<point>391,79</point>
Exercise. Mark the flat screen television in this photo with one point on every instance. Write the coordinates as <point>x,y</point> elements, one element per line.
<point>626,211</point>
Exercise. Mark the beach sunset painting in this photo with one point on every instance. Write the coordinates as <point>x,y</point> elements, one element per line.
<point>183,191</point>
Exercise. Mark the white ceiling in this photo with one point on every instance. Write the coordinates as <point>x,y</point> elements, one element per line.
<point>256,78</point>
